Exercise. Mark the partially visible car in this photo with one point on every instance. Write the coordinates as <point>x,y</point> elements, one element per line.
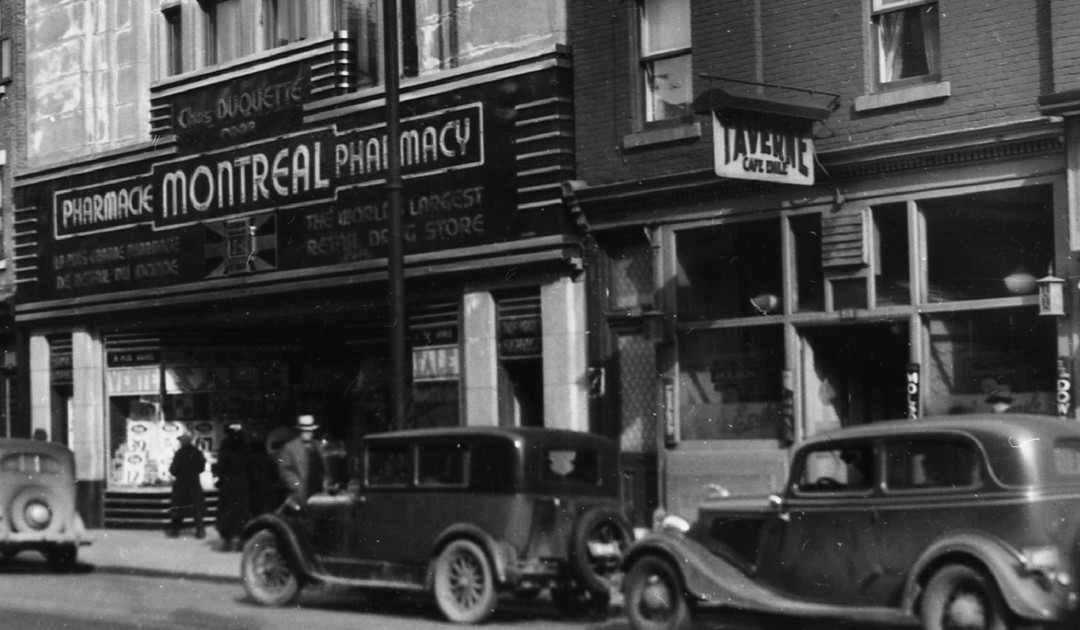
<point>37,502</point>
<point>465,514</point>
<point>950,522</point>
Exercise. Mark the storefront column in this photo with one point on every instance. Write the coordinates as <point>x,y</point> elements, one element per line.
<point>1069,327</point>
<point>566,400</point>
<point>481,364</point>
<point>88,423</point>
<point>40,384</point>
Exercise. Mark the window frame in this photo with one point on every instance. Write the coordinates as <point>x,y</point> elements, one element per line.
<point>644,63</point>
<point>879,8</point>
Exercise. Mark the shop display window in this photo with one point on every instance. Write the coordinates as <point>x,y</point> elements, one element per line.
<point>806,238</point>
<point>730,383</point>
<point>891,264</point>
<point>979,355</point>
<point>730,270</point>
<point>988,245</point>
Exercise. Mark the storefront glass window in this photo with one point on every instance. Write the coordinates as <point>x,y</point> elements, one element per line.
<point>730,384</point>
<point>988,245</point>
<point>809,290</point>
<point>890,255</point>
<point>730,270</point>
<point>982,356</point>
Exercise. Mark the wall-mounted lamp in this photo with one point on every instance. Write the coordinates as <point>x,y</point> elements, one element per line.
<point>766,303</point>
<point>1051,295</point>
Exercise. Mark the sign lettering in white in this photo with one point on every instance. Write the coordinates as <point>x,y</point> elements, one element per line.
<point>435,363</point>
<point>750,146</point>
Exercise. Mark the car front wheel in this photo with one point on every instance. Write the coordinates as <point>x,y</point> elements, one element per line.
<point>269,576</point>
<point>960,597</point>
<point>654,598</point>
<point>465,583</point>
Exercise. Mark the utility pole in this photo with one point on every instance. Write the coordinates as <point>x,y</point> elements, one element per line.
<point>396,253</point>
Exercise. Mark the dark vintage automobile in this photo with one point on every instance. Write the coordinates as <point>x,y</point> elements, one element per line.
<point>466,514</point>
<point>37,502</point>
<point>952,522</point>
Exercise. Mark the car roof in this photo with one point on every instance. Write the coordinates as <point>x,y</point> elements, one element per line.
<point>988,427</point>
<point>527,434</point>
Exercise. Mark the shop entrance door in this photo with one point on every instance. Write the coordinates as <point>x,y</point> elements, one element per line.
<point>853,374</point>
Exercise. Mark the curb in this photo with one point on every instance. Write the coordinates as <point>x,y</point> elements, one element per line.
<point>162,573</point>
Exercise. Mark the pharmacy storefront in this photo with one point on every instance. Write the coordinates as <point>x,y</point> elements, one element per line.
<point>235,271</point>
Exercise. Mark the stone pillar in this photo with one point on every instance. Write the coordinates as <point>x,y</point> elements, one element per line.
<point>566,394</point>
<point>480,367</point>
<point>87,421</point>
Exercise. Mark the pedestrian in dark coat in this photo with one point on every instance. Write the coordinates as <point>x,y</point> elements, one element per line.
<point>234,496</point>
<point>187,498</point>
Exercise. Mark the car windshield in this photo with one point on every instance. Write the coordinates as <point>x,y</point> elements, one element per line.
<point>34,463</point>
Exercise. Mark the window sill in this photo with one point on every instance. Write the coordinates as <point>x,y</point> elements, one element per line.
<point>664,135</point>
<point>902,96</point>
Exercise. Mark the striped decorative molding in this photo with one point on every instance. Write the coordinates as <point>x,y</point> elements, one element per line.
<point>544,151</point>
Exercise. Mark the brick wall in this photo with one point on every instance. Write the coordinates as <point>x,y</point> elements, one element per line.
<point>996,56</point>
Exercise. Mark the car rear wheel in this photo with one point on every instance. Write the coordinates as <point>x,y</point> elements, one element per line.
<point>960,597</point>
<point>465,583</point>
<point>269,574</point>
<point>599,540</point>
<point>654,597</point>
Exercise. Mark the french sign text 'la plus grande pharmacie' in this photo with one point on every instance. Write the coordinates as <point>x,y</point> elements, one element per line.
<point>296,169</point>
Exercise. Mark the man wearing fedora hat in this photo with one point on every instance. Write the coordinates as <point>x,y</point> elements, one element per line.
<point>300,463</point>
<point>186,498</point>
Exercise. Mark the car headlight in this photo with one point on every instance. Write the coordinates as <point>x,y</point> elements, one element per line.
<point>1045,562</point>
<point>37,514</point>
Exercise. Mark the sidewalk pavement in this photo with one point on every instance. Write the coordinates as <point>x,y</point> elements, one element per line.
<point>150,552</point>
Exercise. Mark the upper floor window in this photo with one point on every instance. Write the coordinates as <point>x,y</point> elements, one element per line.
<point>174,40</point>
<point>665,58</point>
<point>906,40</point>
<point>225,31</point>
<point>286,22</point>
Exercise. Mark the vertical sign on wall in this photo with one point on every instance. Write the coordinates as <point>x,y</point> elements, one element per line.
<point>913,391</point>
<point>671,432</point>
<point>1064,388</point>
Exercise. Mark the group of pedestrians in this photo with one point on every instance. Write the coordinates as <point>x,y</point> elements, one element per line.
<point>253,477</point>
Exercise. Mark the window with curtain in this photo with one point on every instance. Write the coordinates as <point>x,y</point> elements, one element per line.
<point>906,37</point>
<point>665,58</point>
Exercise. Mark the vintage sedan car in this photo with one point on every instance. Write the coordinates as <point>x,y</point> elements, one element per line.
<point>465,514</point>
<point>37,502</point>
<point>952,522</point>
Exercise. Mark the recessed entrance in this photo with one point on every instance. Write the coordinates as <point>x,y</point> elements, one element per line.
<point>853,374</point>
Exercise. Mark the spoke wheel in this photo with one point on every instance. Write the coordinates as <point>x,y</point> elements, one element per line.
<point>268,573</point>
<point>465,583</point>
<point>961,598</point>
<point>654,598</point>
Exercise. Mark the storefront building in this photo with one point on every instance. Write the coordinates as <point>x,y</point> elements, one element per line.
<point>821,235</point>
<point>231,267</point>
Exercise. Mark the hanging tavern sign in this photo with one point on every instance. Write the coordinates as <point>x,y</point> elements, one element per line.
<point>749,145</point>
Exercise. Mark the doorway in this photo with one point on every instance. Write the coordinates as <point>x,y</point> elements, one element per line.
<point>854,374</point>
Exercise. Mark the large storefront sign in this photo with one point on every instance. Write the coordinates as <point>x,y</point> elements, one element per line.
<point>753,146</point>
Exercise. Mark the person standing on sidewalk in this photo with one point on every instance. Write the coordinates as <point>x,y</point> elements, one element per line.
<point>234,498</point>
<point>187,494</point>
<point>300,464</point>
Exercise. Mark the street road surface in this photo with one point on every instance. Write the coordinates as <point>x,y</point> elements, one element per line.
<point>33,598</point>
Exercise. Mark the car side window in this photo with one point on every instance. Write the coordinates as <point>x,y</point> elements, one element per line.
<point>923,463</point>
<point>580,466</point>
<point>443,465</point>
<point>848,467</point>
<point>388,465</point>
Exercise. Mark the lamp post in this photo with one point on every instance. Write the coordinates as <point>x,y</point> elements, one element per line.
<point>395,254</point>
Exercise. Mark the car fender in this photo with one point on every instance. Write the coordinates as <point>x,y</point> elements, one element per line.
<point>285,532</point>
<point>1022,594</point>
<point>502,555</point>
<point>706,577</point>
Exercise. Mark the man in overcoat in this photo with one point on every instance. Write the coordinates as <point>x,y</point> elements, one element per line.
<point>187,498</point>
